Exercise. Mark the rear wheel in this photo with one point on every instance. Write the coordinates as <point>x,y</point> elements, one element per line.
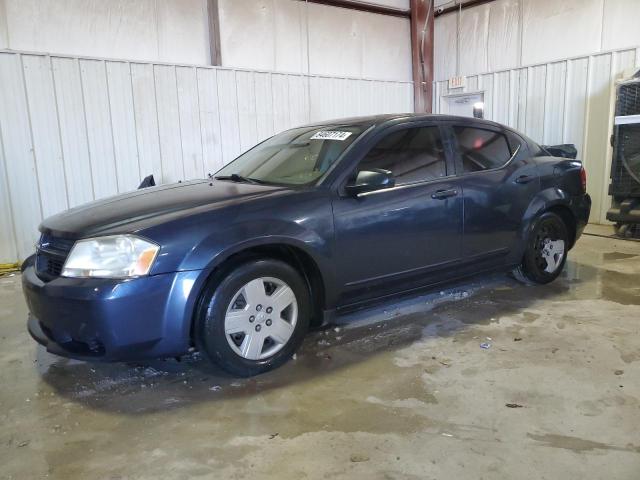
<point>546,251</point>
<point>254,319</point>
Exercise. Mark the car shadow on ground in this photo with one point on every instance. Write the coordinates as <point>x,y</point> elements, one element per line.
<point>162,385</point>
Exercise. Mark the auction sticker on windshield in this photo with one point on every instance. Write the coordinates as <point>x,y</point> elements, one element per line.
<point>331,135</point>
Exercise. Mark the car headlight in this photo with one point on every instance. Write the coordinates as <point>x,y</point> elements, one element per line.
<point>117,256</point>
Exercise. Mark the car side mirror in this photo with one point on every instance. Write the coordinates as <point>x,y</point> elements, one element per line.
<point>370,180</point>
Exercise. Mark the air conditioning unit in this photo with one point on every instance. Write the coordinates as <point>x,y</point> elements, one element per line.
<point>625,165</point>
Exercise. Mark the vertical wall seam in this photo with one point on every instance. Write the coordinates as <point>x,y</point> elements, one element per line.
<point>62,156</point>
<point>14,228</point>
<point>86,129</point>
<point>135,121</point>
<point>33,148</point>
<point>113,140</point>
<point>219,117</point>
<point>255,103</point>
<point>587,111</point>
<point>202,160</point>
<point>568,75</point>
<point>155,99</point>
<point>235,86</point>
<point>175,79</point>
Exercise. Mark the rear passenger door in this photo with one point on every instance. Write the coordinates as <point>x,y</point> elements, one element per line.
<point>391,239</point>
<point>499,182</point>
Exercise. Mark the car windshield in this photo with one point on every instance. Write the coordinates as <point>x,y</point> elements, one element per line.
<point>300,156</point>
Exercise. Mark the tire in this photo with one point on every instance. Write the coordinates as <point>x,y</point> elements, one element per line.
<point>240,334</point>
<point>546,251</point>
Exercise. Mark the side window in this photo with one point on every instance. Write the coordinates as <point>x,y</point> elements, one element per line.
<point>412,155</point>
<point>481,149</point>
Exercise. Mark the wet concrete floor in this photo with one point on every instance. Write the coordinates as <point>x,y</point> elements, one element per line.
<point>400,391</point>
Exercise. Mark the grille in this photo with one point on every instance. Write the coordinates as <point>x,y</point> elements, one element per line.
<point>628,101</point>
<point>52,253</point>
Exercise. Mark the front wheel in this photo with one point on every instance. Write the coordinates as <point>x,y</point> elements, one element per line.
<point>255,318</point>
<point>546,251</point>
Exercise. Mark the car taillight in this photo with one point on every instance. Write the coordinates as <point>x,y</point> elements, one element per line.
<point>583,179</point>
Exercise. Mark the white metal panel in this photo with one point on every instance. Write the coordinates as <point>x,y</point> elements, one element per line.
<point>503,35</point>
<point>576,103</point>
<point>229,118</point>
<point>4,28</point>
<point>485,82</point>
<point>445,41</point>
<point>290,29</point>
<point>298,87</point>
<point>543,20</point>
<point>156,30</point>
<point>169,123</point>
<point>182,31</point>
<point>501,97</point>
<point>596,135</point>
<point>536,93</point>
<point>247,119</point>
<point>620,24</point>
<point>190,130</point>
<point>554,103</point>
<point>146,120</point>
<point>264,106</point>
<point>529,32</point>
<point>123,125</point>
<point>99,135</point>
<point>8,252</point>
<point>20,165</point>
<point>209,119</point>
<point>281,105</point>
<point>99,126</point>
<point>474,28</point>
<point>247,34</point>
<point>45,133</point>
<point>73,130</point>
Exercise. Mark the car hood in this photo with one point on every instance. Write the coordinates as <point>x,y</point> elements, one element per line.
<point>144,208</point>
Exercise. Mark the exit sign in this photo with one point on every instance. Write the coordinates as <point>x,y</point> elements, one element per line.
<point>457,82</point>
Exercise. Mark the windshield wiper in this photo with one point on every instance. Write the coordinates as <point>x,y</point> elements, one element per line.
<point>234,177</point>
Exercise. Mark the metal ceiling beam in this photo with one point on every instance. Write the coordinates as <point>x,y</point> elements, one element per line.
<point>422,54</point>
<point>363,7</point>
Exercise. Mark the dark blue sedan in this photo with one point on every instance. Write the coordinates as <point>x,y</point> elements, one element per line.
<point>313,220</point>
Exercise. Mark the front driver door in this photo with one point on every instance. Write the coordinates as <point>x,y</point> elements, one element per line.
<point>392,239</point>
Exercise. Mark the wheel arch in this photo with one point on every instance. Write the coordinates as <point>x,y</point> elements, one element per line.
<point>294,255</point>
<point>550,200</point>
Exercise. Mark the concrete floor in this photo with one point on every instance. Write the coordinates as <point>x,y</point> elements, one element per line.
<point>402,392</point>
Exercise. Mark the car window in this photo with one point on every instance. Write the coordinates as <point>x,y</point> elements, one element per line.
<point>481,149</point>
<point>411,155</point>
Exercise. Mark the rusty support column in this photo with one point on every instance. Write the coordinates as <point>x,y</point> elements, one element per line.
<point>422,54</point>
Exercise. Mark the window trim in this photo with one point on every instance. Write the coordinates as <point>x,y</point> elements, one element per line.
<point>449,152</point>
<point>458,157</point>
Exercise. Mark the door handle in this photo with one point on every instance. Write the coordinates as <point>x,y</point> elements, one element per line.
<point>525,179</point>
<point>442,194</point>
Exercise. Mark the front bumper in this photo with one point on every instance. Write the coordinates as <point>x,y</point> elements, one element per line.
<point>111,320</point>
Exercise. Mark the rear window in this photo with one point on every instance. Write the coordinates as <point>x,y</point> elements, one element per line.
<point>481,149</point>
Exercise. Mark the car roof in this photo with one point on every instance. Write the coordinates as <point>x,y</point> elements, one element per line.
<point>378,120</point>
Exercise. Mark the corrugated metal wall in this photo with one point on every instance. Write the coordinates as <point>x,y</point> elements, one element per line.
<point>567,101</point>
<point>77,129</point>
